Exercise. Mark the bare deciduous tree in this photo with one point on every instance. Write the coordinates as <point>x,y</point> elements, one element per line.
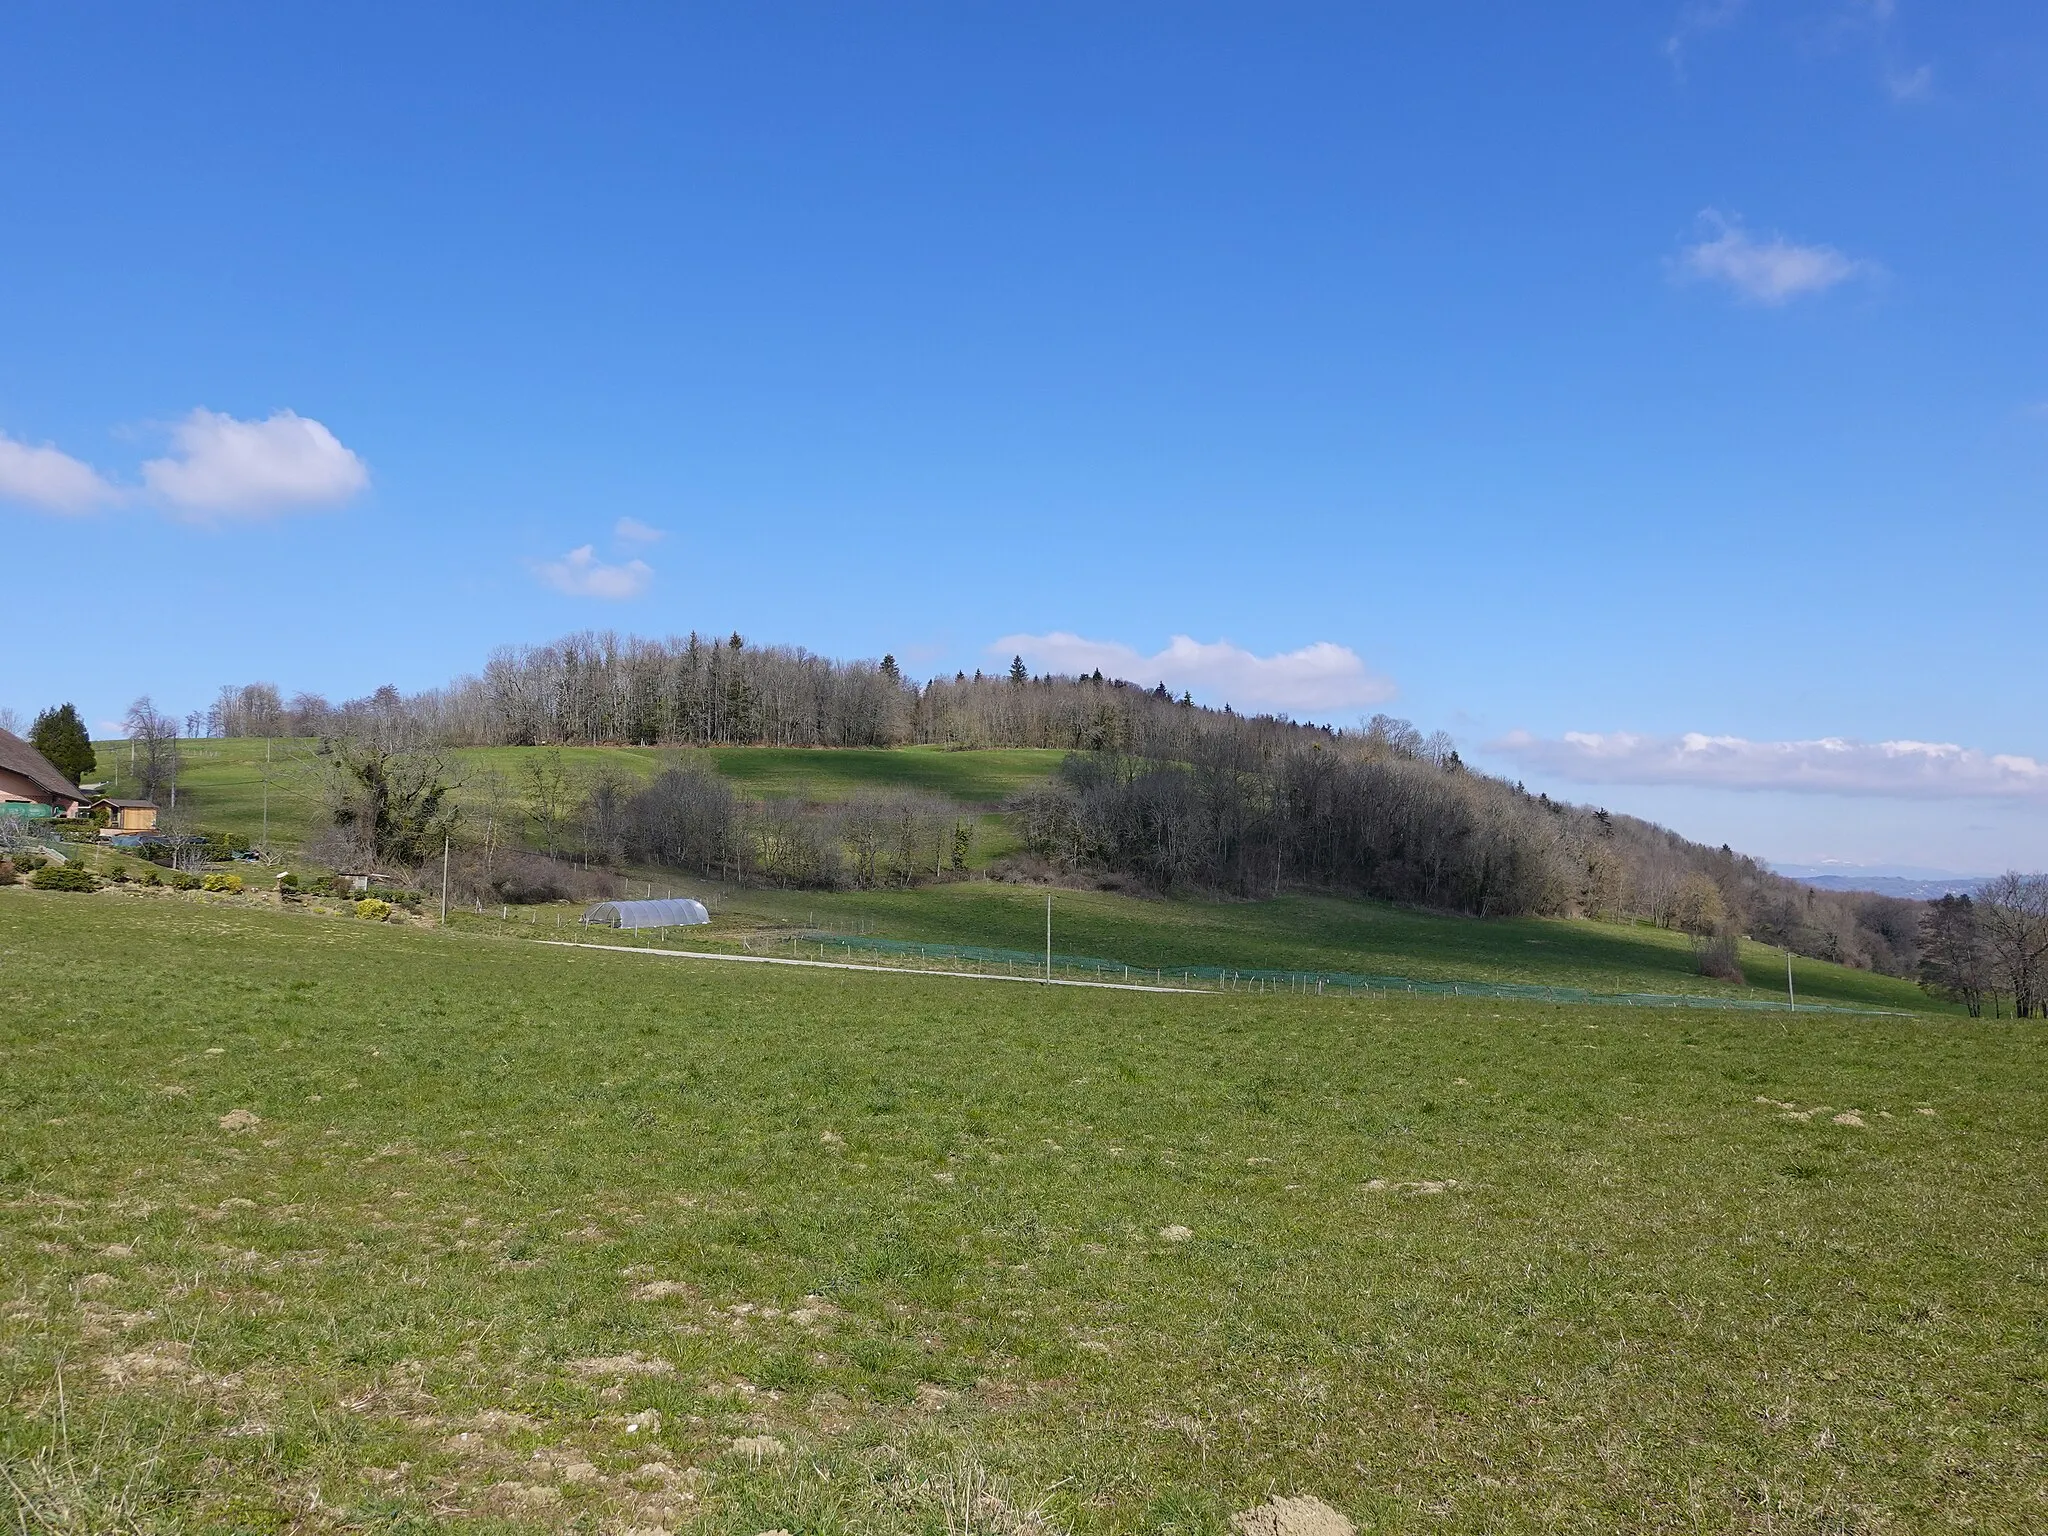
<point>550,793</point>
<point>2013,913</point>
<point>153,737</point>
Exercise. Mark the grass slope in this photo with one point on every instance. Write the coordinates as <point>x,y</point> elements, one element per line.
<point>223,784</point>
<point>333,1226</point>
<point>1317,933</point>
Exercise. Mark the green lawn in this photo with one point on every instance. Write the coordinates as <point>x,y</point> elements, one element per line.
<point>334,1226</point>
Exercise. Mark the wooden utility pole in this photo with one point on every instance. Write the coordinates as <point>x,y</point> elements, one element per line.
<point>444,879</point>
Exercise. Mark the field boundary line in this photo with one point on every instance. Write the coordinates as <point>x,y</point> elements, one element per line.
<point>885,970</point>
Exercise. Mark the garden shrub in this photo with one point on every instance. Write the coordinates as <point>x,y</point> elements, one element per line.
<point>151,877</point>
<point>372,909</point>
<point>178,880</point>
<point>221,881</point>
<point>7,874</point>
<point>64,877</point>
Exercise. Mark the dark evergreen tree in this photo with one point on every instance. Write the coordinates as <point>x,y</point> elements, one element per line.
<point>60,736</point>
<point>1019,675</point>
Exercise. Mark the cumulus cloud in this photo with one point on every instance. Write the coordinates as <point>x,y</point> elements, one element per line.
<point>631,530</point>
<point>1317,678</point>
<point>1765,270</point>
<point>220,466</point>
<point>1921,770</point>
<point>38,475</point>
<point>580,573</point>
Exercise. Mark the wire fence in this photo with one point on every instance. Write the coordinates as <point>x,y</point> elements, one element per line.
<point>1220,978</point>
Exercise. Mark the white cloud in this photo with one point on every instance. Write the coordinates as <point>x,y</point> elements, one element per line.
<point>1770,270</point>
<point>49,478</point>
<point>1319,678</point>
<point>581,574</point>
<point>631,530</point>
<point>222,466</point>
<point>1919,770</point>
<point>1910,85</point>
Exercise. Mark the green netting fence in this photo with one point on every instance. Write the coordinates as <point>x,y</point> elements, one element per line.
<point>1019,962</point>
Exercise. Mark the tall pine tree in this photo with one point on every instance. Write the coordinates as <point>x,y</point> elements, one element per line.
<point>60,736</point>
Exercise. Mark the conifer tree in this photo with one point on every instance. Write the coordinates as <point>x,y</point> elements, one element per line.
<point>60,736</point>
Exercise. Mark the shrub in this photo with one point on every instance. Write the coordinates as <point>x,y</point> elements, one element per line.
<point>151,877</point>
<point>64,877</point>
<point>29,863</point>
<point>220,881</point>
<point>178,880</point>
<point>7,874</point>
<point>373,910</point>
<point>1719,956</point>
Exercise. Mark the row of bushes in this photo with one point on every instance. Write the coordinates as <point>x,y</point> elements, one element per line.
<point>46,876</point>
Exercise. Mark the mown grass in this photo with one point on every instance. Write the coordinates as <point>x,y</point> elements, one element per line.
<point>1448,1267</point>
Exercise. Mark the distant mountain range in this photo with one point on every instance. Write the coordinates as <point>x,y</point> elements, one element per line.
<point>1906,884</point>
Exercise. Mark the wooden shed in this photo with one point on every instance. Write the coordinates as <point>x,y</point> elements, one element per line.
<point>125,815</point>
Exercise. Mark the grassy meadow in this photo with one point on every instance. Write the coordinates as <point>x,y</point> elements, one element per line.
<point>223,787</point>
<point>223,781</point>
<point>309,1224</point>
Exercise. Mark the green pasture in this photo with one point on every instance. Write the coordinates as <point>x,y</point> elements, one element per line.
<point>310,1224</point>
<point>1309,933</point>
<point>222,782</point>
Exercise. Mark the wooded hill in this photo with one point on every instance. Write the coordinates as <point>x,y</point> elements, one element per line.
<point>1159,790</point>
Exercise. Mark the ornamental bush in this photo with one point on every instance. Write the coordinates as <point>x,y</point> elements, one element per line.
<point>373,910</point>
<point>220,880</point>
<point>64,877</point>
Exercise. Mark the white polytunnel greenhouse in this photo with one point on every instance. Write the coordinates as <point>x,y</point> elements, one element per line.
<point>672,912</point>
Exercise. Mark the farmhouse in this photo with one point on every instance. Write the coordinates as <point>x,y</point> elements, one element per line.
<point>124,815</point>
<point>30,786</point>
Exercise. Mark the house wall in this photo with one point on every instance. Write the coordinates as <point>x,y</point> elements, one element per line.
<point>15,786</point>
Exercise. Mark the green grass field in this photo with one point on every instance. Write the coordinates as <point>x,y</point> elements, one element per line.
<point>223,784</point>
<point>222,781</point>
<point>323,1225</point>
<point>1312,933</point>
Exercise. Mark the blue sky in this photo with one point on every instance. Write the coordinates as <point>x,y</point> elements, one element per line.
<point>1576,379</point>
